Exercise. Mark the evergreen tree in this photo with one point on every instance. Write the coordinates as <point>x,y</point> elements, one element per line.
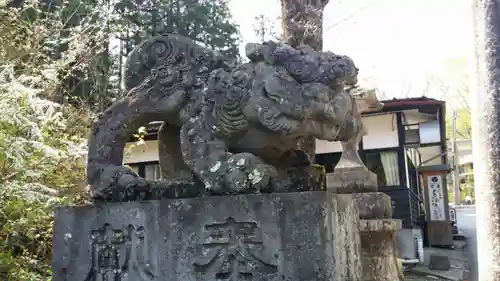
<point>96,82</point>
<point>208,22</point>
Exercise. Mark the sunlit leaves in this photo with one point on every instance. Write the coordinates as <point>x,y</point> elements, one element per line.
<point>42,143</point>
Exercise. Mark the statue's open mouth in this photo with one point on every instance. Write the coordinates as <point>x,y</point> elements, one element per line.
<point>323,130</point>
<point>326,119</point>
<point>326,131</point>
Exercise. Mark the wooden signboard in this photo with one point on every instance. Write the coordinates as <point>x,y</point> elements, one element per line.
<point>439,230</point>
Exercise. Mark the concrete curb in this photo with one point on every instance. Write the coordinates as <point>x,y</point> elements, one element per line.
<point>453,274</point>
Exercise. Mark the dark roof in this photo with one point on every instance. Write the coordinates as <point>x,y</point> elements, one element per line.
<point>422,104</point>
<point>416,99</point>
<point>153,127</point>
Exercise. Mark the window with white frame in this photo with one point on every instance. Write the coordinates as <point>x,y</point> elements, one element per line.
<point>385,165</point>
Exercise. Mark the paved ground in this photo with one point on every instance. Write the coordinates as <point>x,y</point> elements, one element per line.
<point>466,223</point>
<point>422,278</point>
<point>463,259</point>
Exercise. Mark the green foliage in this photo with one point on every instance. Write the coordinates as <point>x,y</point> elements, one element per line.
<point>42,143</point>
<point>57,69</point>
<point>467,188</point>
<point>208,22</point>
<point>36,37</point>
<point>456,91</point>
<point>116,28</point>
<point>40,166</point>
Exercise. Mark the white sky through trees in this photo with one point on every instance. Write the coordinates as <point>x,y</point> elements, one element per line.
<point>399,45</point>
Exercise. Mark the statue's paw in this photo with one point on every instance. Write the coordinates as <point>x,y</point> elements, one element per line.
<point>134,187</point>
<point>119,184</point>
<point>247,173</point>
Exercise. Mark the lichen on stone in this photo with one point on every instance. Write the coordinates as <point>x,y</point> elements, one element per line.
<point>226,129</point>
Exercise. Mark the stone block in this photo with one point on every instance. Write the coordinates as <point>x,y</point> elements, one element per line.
<point>302,236</point>
<point>379,256</point>
<point>373,205</point>
<point>380,225</point>
<point>351,180</point>
<point>439,233</point>
<point>378,243</point>
<point>439,262</point>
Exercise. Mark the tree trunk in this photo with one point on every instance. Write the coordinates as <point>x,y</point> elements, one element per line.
<point>486,132</point>
<point>302,22</point>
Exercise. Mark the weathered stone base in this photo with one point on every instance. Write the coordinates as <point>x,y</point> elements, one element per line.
<point>377,228</point>
<point>379,249</point>
<point>351,180</point>
<point>378,240</point>
<point>307,236</point>
<point>373,205</point>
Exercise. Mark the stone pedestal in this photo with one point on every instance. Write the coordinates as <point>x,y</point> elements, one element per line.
<point>377,228</point>
<point>355,179</point>
<point>307,236</point>
<point>378,254</point>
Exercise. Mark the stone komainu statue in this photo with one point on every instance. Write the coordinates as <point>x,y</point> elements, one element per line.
<point>226,129</point>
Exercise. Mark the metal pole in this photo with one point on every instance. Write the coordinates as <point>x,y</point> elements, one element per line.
<point>456,164</point>
<point>485,102</point>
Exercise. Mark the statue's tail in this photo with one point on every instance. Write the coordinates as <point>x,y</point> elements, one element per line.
<point>161,72</point>
<point>110,134</point>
